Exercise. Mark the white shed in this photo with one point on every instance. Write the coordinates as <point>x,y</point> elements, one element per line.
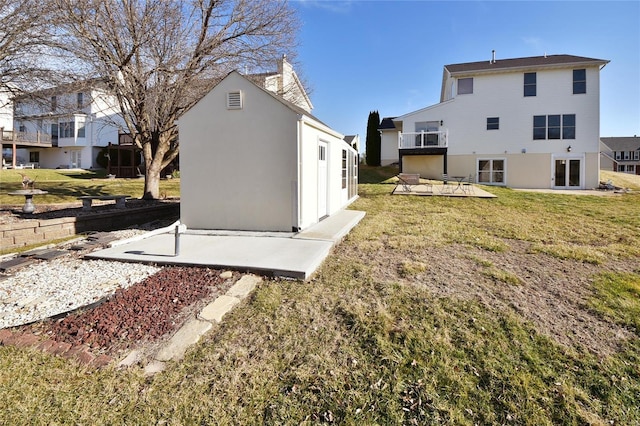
<point>249,160</point>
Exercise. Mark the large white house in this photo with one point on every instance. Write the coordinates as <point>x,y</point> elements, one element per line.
<point>67,126</point>
<point>525,123</point>
<point>620,154</point>
<point>250,160</point>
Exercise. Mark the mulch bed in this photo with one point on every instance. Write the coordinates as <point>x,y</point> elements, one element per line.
<point>143,314</point>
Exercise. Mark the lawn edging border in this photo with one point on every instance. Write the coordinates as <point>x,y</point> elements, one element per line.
<point>15,235</point>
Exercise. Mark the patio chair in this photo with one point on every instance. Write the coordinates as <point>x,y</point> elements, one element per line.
<point>446,188</point>
<point>467,187</point>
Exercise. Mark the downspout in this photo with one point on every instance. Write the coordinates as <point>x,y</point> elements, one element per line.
<point>399,152</point>
<point>298,202</point>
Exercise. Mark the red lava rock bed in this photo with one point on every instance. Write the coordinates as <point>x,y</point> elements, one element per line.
<point>140,315</point>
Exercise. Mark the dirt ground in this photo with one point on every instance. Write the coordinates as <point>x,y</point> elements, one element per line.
<point>552,293</point>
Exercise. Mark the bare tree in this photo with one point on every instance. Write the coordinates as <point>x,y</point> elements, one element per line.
<point>159,57</point>
<point>23,37</point>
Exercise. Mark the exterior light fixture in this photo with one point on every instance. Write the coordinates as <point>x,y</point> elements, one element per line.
<point>441,122</point>
<point>569,148</point>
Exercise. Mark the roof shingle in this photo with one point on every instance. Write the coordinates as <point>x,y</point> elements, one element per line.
<point>518,63</point>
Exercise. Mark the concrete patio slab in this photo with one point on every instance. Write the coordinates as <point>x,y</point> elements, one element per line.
<point>436,190</point>
<point>286,254</point>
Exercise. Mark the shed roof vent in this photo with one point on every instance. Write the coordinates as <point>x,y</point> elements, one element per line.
<point>234,100</point>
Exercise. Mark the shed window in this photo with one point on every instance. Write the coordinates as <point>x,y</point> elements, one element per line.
<point>344,168</point>
<point>234,100</point>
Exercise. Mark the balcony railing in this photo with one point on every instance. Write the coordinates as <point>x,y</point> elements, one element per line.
<point>423,140</point>
<point>25,137</point>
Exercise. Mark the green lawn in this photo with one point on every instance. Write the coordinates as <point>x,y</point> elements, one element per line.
<point>516,310</point>
<point>64,186</point>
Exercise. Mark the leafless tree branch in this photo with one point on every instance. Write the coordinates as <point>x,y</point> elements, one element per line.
<point>160,57</point>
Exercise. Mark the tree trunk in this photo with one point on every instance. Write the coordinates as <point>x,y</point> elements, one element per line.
<point>152,181</point>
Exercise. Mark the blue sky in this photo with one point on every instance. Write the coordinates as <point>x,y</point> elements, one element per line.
<point>359,56</point>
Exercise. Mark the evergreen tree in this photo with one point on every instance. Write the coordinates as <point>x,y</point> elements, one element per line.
<point>373,141</point>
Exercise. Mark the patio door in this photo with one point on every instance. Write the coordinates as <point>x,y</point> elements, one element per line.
<point>323,177</point>
<point>567,173</point>
<point>76,159</point>
<point>430,136</point>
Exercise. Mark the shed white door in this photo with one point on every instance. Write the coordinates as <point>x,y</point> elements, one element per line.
<point>323,177</point>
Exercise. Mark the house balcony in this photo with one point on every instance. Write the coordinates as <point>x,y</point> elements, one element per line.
<point>424,143</point>
<point>26,139</point>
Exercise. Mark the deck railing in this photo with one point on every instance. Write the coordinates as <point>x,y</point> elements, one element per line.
<point>413,140</point>
<point>25,137</point>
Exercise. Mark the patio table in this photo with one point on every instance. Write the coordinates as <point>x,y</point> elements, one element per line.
<point>459,179</point>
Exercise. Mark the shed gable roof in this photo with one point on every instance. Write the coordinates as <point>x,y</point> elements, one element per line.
<point>301,112</point>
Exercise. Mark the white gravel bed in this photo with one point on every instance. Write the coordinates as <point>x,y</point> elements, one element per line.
<point>46,289</point>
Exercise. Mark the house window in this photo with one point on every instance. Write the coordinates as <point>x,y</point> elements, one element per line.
<point>568,126</point>
<point>579,81</point>
<point>530,84</point>
<point>80,100</point>
<point>465,86</point>
<point>491,171</point>
<point>427,133</point>
<point>539,127</point>
<point>636,155</point>
<point>618,155</point>
<point>493,123</point>
<point>554,126</point>
<point>34,157</point>
<point>627,155</point>
<point>81,129</point>
<point>234,100</point>
<point>66,129</point>
<point>22,128</point>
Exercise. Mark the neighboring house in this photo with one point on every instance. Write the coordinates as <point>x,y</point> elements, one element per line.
<point>6,110</point>
<point>11,155</point>
<point>285,83</point>
<point>620,154</point>
<point>353,141</point>
<point>250,160</point>
<point>388,141</point>
<point>66,126</point>
<point>525,123</point>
